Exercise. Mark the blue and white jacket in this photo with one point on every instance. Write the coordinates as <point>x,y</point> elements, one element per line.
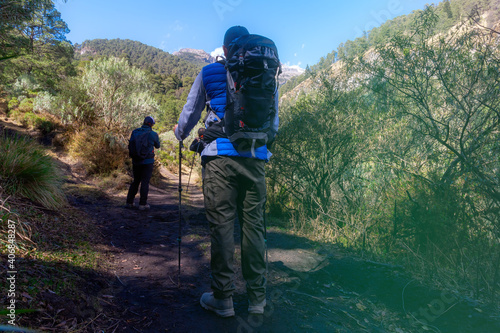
<point>209,88</point>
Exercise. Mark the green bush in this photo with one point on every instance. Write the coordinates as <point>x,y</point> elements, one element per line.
<point>44,102</point>
<point>15,114</point>
<point>13,103</point>
<point>39,122</point>
<point>72,105</point>
<point>119,93</point>
<point>29,119</point>
<point>27,171</point>
<point>44,125</point>
<point>24,83</point>
<point>26,105</point>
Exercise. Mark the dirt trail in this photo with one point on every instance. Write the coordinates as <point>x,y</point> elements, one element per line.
<point>311,287</point>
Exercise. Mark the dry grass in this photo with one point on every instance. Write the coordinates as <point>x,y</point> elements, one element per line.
<point>100,151</point>
<point>117,181</point>
<point>23,230</point>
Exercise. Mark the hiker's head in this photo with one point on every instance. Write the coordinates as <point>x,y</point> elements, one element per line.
<point>149,121</point>
<point>201,132</point>
<point>233,33</point>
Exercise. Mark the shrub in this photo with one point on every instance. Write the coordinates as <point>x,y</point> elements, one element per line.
<point>72,104</point>
<point>156,177</point>
<point>26,105</point>
<point>43,102</point>
<point>26,170</point>
<point>25,83</point>
<point>29,119</point>
<point>41,123</point>
<point>119,93</point>
<point>13,103</point>
<point>101,152</point>
<point>44,125</point>
<point>16,115</point>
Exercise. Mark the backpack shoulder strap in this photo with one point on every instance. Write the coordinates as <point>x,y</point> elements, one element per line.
<point>221,60</point>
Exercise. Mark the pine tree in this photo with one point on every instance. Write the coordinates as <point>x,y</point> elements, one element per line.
<point>447,9</point>
<point>33,41</point>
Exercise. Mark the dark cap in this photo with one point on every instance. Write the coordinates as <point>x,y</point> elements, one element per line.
<point>233,33</point>
<point>149,121</point>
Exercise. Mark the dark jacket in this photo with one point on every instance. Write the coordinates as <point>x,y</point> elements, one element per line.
<point>153,140</point>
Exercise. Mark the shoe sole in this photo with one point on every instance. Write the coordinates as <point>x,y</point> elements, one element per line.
<point>259,309</point>
<point>221,313</point>
<point>256,311</point>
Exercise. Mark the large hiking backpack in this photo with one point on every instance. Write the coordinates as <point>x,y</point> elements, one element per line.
<point>138,145</point>
<point>253,67</point>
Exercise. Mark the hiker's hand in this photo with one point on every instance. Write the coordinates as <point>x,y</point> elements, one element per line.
<point>175,127</point>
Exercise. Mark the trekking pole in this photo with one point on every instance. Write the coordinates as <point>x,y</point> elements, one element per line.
<point>265,239</point>
<point>191,171</point>
<point>179,238</point>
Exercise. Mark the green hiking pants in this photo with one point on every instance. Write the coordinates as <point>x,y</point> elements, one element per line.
<point>235,186</point>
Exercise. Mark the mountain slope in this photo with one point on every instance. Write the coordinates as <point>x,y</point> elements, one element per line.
<point>197,57</point>
<point>183,63</point>
<point>140,55</point>
<point>449,13</point>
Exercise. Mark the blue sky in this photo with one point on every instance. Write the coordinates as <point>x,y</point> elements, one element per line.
<point>303,31</point>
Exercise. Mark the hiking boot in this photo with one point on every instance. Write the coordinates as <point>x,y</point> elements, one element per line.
<point>144,207</point>
<point>129,205</point>
<point>257,308</point>
<point>222,307</point>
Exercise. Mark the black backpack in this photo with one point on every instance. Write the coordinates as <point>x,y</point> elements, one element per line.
<point>253,67</point>
<point>138,145</point>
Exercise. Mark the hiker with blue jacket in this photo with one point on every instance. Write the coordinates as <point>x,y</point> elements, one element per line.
<point>234,183</point>
<point>142,143</point>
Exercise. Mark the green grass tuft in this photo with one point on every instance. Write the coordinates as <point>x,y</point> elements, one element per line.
<point>27,171</point>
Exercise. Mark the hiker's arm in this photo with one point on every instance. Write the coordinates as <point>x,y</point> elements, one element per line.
<point>191,112</point>
<point>276,120</point>
<point>157,141</point>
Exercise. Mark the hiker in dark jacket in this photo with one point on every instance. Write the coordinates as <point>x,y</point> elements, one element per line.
<point>233,185</point>
<point>142,165</point>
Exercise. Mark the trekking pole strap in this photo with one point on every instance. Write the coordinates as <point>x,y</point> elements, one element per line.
<point>190,172</point>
